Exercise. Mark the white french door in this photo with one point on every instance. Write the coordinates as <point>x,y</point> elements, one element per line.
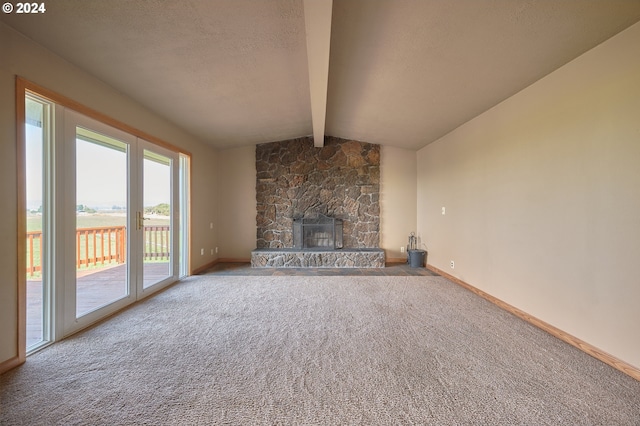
<point>119,222</point>
<point>157,217</point>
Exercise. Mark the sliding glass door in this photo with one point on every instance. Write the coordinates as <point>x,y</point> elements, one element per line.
<point>101,211</point>
<point>98,203</point>
<point>157,220</point>
<point>119,221</point>
<point>104,217</point>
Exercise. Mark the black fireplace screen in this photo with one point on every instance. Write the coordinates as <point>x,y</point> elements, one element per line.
<point>322,232</point>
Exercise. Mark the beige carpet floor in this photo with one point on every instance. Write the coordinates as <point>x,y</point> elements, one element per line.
<point>316,350</point>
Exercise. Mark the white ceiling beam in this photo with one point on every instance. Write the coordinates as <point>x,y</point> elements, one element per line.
<point>317,19</point>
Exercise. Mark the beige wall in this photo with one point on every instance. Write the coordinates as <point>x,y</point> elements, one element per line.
<point>542,197</point>
<point>237,202</point>
<point>19,56</point>
<point>204,207</point>
<point>398,194</point>
<point>8,224</point>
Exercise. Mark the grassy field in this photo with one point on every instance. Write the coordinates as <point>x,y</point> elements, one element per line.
<point>34,223</point>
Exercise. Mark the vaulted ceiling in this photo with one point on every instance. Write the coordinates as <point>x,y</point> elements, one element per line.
<point>400,72</point>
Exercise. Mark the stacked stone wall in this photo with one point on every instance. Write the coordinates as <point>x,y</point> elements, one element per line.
<point>294,179</point>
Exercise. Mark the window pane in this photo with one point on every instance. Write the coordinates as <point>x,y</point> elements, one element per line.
<point>101,219</point>
<point>157,215</point>
<point>36,291</point>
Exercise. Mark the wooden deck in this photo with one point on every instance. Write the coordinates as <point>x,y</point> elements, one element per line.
<point>95,288</point>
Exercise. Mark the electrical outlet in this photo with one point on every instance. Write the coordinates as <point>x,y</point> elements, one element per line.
<point>402,249</point>
<point>201,252</point>
<point>211,225</point>
<point>452,265</point>
<point>443,210</point>
<point>216,250</point>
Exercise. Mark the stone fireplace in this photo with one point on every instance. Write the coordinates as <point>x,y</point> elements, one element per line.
<point>299,186</point>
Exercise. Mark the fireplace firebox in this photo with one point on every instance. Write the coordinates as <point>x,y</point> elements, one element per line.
<point>317,233</point>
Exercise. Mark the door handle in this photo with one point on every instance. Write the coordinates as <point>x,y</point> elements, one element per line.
<point>141,220</point>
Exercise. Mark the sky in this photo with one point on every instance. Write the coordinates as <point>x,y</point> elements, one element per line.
<point>101,175</point>
<point>33,150</point>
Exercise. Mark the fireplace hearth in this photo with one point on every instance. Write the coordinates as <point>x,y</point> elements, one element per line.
<point>317,258</point>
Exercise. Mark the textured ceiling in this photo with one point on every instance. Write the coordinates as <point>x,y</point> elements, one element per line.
<point>401,73</point>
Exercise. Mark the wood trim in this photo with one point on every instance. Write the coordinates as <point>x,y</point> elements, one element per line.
<point>89,112</point>
<point>220,260</point>
<point>396,260</point>
<point>205,267</point>
<point>585,347</point>
<point>188,218</point>
<point>21,342</point>
<point>10,363</point>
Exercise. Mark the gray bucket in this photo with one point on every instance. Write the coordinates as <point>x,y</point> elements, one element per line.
<point>416,258</point>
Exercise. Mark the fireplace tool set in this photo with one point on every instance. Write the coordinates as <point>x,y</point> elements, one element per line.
<point>413,242</point>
